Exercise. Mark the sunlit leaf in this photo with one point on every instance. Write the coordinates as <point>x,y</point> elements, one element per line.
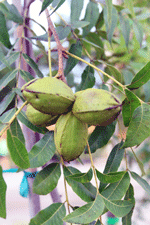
<point>52,215</point>
<point>119,208</point>
<point>42,151</point>
<point>139,127</point>
<point>110,177</point>
<point>130,103</point>
<point>85,191</point>
<point>117,190</point>
<point>141,78</point>
<point>82,177</point>
<point>17,151</point>
<point>129,5</point>
<point>87,213</point>
<point>3,188</point>
<point>17,131</point>
<point>46,180</point>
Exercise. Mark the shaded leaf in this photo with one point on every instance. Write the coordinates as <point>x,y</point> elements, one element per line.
<point>33,65</point>
<point>4,36</point>
<point>46,180</point>
<point>11,12</point>
<point>113,162</point>
<point>110,177</point>
<point>75,49</point>
<point>143,183</point>
<point>114,72</point>
<point>3,188</point>
<point>86,191</point>
<point>76,8</point>
<point>6,101</point>
<point>7,78</point>
<point>25,75</point>
<point>17,151</point>
<point>139,127</point>
<point>110,29</point>
<point>42,151</point>
<point>10,59</point>
<point>125,27</point>
<point>114,159</point>
<point>100,137</point>
<point>23,118</point>
<point>130,103</point>
<point>16,131</point>
<point>119,208</point>
<point>100,21</point>
<point>45,4</point>
<point>138,30</point>
<point>3,59</point>
<point>77,24</point>
<point>87,213</point>
<point>62,33</point>
<point>88,79</point>
<point>82,177</point>
<point>91,15</point>
<point>58,5</point>
<point>94,40</point>
<point>109,12</point>
<point>140,164</point>
<point>6,117</point>
<point>126,220</point>
<point>53,215</point>
<point>117,190</point>
<point>141,78</point>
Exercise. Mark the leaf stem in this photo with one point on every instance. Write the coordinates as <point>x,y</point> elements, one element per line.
<point>12,119</point>
<point>92,164</point>
<point>96,68</point>
<point>65,185</point>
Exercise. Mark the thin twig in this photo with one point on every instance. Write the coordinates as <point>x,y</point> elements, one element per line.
<point>92,164</point>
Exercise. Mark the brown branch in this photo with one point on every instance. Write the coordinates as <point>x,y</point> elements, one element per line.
<point>51,28</point>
